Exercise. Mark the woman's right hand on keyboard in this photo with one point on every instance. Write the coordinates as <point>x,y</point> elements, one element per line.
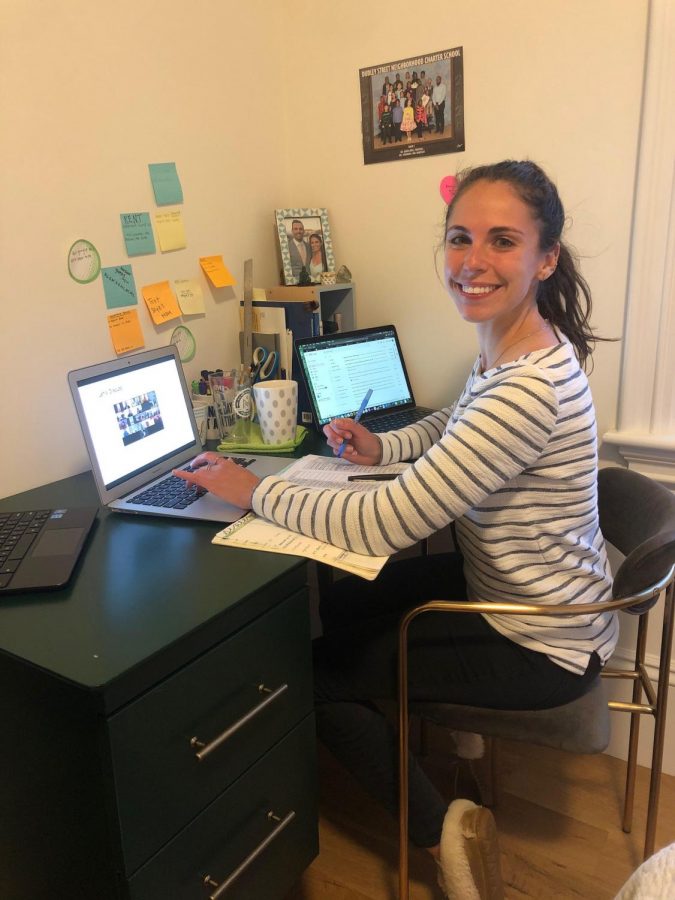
<point>223,477</point>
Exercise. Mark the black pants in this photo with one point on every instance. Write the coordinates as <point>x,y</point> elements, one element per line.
<point>455,658</point>
<point>439,116</point>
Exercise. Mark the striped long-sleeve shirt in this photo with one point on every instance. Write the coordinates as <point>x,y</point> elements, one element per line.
<point>514,464</point>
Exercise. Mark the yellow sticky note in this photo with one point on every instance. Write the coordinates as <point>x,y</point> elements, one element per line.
<point>217,271</point>
<point>259,294</point>
<point>161,302</point>
<point>125,331</point>
<point>190,296</point>
<point>170,230</point>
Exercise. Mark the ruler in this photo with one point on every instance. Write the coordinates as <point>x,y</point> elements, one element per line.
<point>247,347</point>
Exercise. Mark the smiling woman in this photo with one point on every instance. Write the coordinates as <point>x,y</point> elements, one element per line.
<point>506,265</point>
<point>513,463</point>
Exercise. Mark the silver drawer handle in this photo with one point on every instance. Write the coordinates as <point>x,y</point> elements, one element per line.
<point>232,877</point>
<point>205,749</point>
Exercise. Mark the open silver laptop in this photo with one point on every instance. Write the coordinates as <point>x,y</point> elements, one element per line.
<point>138,425</point>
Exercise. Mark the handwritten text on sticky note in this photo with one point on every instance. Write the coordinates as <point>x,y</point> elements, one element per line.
<point>125,331</point>
<point>119,286</point>
<point>170,230</point>
<point>190,296</point>
<point>217,271</point>
<point>161,302</point>
<point>137,231</point>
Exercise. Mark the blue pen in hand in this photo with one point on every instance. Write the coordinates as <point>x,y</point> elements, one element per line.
<point>359,413</point>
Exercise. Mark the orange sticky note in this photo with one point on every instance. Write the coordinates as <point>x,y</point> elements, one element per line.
<point>216,270</point>
<point>125,331</point>
<point>161,302</point>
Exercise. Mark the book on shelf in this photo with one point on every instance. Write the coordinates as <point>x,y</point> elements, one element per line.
<point>302,320</point>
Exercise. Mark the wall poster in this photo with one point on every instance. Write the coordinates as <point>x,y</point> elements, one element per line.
<point>413,107</point>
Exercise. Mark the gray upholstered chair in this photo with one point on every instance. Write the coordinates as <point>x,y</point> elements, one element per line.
<point>637,516</point>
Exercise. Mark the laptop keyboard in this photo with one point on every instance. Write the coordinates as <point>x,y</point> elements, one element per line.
<point>172,492</point>
<point>394,420</point>
<point>18,530</point>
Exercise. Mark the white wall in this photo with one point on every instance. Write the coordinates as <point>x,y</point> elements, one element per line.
<point>258,104</point>
<point>558,81</point>
<point>89,95</point>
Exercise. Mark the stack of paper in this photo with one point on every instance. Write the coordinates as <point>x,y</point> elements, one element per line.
<point>272,320</point>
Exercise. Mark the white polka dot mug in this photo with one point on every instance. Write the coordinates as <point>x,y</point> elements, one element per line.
<point>277,406</point>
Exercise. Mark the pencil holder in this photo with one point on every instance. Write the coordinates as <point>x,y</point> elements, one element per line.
<point>231,398</point>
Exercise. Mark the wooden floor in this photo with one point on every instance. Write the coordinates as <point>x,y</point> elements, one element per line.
<point>558,817</point>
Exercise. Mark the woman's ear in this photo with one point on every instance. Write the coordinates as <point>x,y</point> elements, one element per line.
<point>550,263</point>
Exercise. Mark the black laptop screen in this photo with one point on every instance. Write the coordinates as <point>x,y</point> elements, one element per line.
<point>340,368</point>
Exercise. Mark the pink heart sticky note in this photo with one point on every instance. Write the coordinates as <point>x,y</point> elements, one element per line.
<point>448,188</point>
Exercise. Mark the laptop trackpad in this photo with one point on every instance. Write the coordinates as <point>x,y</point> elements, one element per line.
<point>58,542</point>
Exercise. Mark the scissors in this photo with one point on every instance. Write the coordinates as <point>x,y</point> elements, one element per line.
<point>265,364</point>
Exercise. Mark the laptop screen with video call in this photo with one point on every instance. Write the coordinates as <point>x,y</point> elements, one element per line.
<point>137,417</point>
<point>138,425</point>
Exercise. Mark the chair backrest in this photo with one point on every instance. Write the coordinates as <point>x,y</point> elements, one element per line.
<point>637,516</point>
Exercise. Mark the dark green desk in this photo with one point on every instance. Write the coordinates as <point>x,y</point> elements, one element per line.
<point>160,638</point>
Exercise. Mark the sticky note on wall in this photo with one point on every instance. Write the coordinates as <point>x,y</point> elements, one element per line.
<point>137,231</point>
<point>216,271</point>
<point>165,183</point>
<point>190,296</point>
<point>161,302</point>
<point>125,331</point>
<point>119,286</point>
<point>170,230</point>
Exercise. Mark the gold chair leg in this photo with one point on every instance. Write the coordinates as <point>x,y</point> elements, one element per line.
<point>634,736</point>
<point>631,766</point>
<point>659,723</point>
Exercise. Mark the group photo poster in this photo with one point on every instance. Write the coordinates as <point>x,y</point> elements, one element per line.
<point>413,107</point>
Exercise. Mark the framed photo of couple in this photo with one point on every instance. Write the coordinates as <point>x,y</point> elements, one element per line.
<point>304,242</point>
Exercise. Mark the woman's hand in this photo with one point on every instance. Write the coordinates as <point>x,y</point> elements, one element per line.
<point>361,447</point>
<point>222,477</point>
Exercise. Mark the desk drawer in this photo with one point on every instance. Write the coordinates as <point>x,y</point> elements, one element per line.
<point>160,782</point>
<point>237,833</point>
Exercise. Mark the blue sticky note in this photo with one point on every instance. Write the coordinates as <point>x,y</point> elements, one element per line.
<point>165,183</point>
<point>119,287</point>
<point>137,232</point>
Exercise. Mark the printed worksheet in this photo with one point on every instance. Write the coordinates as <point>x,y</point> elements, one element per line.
<point>252,533</point>
<point>325,471</point>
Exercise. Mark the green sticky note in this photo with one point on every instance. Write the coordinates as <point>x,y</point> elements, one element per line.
<point>119,287</point>
<point>165,183</point>
<point>137,232</point>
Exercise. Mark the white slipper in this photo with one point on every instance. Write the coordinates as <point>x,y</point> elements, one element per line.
<point>469,865</point>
